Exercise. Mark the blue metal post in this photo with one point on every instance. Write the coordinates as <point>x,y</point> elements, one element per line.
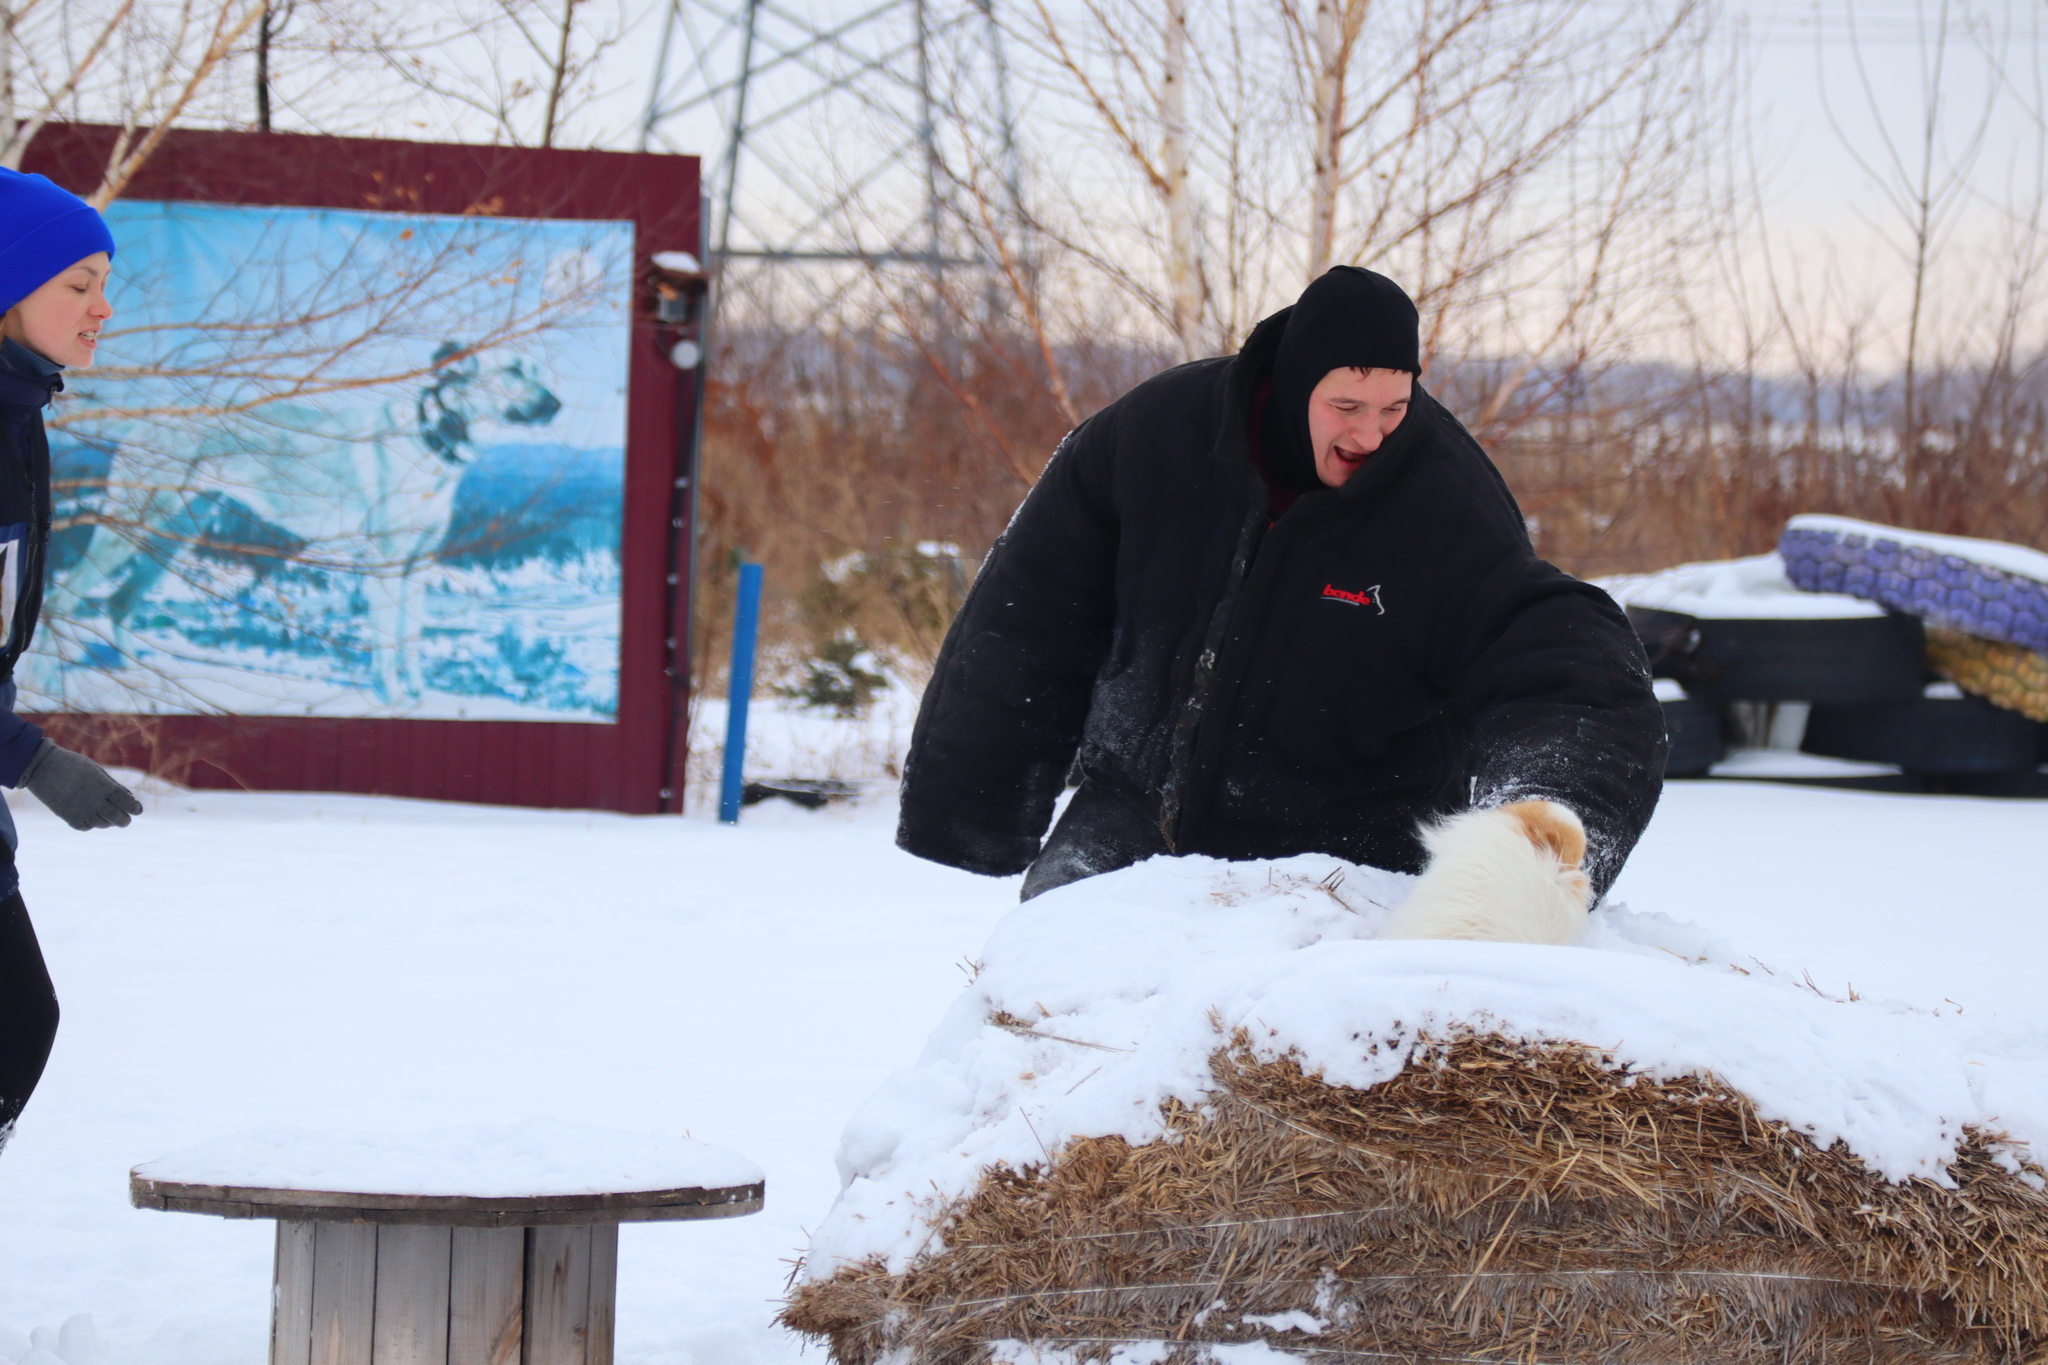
<point>746,623</point>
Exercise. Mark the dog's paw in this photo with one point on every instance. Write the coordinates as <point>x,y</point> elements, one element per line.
<point>1512,874</point>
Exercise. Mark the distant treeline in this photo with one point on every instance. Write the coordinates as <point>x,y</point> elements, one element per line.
<point>833,456</point>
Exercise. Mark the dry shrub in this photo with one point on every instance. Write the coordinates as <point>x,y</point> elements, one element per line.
<point>1648,469</point>
<point>845,450</point>
<point>840,448</point>
<point>1496,1201</point>
<point>869,470</point>
<point>173,748</point>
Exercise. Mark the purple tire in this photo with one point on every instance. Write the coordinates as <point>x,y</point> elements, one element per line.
<point>1937,578</point>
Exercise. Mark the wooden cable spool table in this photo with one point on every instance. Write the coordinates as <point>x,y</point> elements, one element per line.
<point>435,1276</point>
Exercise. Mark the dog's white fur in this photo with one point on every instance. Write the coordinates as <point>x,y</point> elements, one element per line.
<point>1506,875</point>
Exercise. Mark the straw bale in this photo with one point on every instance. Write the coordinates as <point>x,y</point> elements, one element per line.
<point>1496,1201</point>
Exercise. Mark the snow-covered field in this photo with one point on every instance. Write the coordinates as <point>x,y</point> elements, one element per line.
<point>348,962</point>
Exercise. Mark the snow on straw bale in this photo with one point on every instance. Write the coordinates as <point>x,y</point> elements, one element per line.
<point>1191,1109</point>
<point>1097,1009</point>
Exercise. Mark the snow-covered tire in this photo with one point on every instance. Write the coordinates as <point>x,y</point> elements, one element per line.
<point>1946,589</point>
<point>1694,725</point>
<point>2003,674</point>
<point>1847,660</point>
<point>1927,735</point>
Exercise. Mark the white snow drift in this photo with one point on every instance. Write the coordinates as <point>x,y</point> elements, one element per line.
<point>1732,589</point>
<point>349,963</point>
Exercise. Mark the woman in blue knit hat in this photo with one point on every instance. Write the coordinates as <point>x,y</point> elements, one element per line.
<point>55,255</point>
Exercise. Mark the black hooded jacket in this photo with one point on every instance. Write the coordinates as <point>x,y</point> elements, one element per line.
<point>1383,652</point>
<point>27,384</point>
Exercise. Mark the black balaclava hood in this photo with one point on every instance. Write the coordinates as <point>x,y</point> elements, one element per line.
<point>1349,317</point>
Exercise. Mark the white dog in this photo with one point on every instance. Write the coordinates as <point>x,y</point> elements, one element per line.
<point>1507,875</point>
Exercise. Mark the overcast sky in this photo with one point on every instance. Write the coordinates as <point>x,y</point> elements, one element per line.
<point>1821,78</point>
<point>1810,114</point>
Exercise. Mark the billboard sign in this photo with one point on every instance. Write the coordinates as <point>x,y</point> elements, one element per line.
<point>345,464</point>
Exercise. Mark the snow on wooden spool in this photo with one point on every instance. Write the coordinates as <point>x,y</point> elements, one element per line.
<point>483,1245</point>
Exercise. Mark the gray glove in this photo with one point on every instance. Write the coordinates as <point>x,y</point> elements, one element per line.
<point>79,790</point>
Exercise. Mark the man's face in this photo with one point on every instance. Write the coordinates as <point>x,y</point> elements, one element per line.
<point>1350,413</point>
<point>61,321</point>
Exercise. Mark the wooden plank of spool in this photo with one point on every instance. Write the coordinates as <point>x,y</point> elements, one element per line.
<point>344,1293</point>
<point>411,1326</point>
<point>291,1317</point>
<point>486,1296</point>
<point>604,1290</point>
<point>460,1211</point>
<point>558,1296</point>
<point>557,1282</point>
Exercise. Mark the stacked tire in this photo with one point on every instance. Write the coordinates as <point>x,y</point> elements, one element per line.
<point>1979,587</point>
<point>1985,612</point>
<point>1853,661</point>
<point>1692,721</point>
<point>1828,661</point>
<point>2001,673</point>
<point>1698,737</point>
<point>1931,736</point>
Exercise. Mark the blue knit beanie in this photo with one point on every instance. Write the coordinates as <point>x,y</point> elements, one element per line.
<point>44,231</point>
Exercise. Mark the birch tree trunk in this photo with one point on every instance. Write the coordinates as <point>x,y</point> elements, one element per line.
<point>169,93</point>
<point>558,75</point>
<point>1183,266</point>
<point>1331,52</point>
<point>9,156</point>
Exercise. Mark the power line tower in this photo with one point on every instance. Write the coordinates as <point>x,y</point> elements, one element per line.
<point>860,133</point>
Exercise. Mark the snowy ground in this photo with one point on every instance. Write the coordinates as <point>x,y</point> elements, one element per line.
<point>234,960</point>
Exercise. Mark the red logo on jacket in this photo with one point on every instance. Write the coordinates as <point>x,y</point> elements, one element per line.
<point>1364,597</point>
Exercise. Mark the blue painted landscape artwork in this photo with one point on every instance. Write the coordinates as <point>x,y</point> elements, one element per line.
<point>343,464</point>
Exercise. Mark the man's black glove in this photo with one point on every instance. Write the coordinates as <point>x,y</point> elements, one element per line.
<point>79,790</point>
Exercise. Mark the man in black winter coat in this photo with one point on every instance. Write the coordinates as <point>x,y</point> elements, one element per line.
<point>1279,602</point>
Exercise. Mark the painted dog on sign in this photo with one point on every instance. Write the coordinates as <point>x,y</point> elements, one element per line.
<point>367,491</point>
